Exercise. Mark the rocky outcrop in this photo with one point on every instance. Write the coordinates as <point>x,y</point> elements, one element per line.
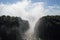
<point>48,28</point>
<point>12,28</point>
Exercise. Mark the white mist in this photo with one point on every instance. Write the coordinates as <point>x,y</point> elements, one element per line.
<point>29,34</point>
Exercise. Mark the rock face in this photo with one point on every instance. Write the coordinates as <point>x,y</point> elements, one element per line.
<point>12,28</point>
<point>48,28</point>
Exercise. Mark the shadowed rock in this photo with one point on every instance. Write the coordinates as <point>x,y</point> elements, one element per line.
<point>48,28</point>
<point>12,28</point>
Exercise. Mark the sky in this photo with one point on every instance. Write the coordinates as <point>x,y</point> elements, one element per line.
<point>29,9</point>
<point>49,2</point>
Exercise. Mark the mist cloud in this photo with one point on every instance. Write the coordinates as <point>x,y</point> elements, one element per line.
<point>26,9</point>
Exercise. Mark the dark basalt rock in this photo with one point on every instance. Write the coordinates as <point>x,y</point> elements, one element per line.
<point>48,28</point>
<point>12,28</point>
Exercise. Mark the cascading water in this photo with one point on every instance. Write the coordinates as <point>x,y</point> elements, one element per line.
<point>29,34</point>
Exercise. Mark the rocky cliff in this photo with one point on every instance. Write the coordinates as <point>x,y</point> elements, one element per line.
<point>12,28</point>
<point>48,28</point>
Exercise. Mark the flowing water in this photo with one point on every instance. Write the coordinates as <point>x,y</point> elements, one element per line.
<point>29,34</point>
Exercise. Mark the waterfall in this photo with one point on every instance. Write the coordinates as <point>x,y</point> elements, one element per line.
<point>29,34</point>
